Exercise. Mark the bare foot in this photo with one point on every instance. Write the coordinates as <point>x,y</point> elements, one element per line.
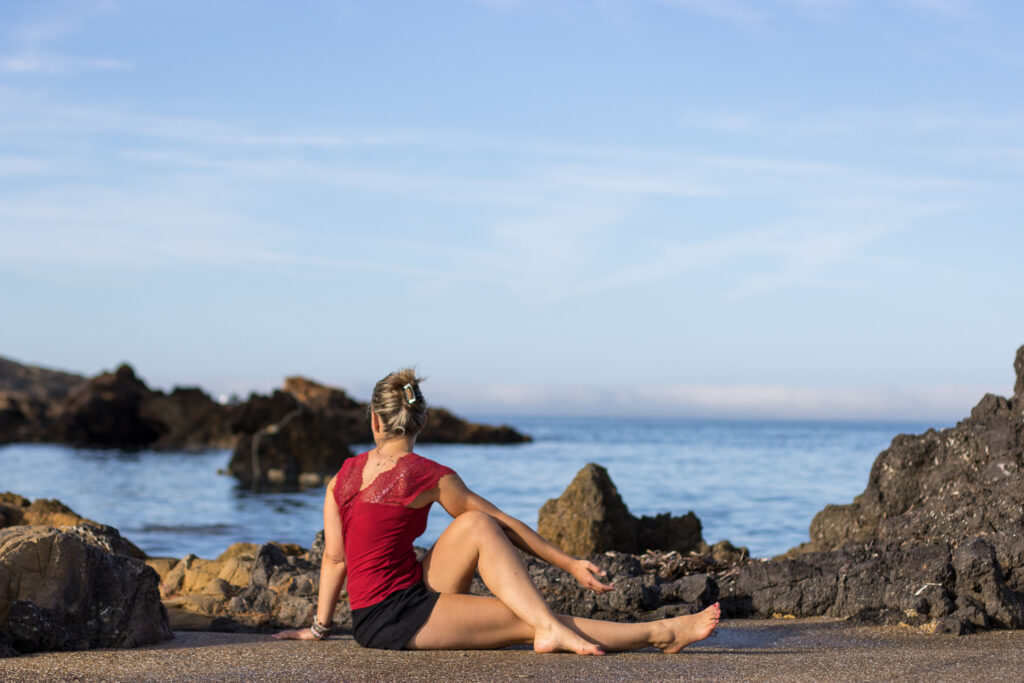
<point>689,628</point>
<point>559,638</point>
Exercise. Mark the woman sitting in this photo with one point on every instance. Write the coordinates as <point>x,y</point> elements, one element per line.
<point>377,505</point>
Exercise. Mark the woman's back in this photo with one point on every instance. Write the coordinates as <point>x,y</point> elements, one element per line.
<point>379,526</point>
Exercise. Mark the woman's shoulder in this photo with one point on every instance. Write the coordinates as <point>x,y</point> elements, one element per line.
<point>426,464</point>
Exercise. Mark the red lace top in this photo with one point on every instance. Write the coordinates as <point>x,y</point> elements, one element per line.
<point>378,526</point>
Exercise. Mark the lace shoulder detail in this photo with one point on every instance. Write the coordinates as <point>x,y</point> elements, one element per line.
<point>400,485</point>
<point>350,476</point>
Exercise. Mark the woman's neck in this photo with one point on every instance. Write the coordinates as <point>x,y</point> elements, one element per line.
<point>395,447</point>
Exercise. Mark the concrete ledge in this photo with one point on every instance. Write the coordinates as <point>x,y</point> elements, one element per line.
<point>769,650</point>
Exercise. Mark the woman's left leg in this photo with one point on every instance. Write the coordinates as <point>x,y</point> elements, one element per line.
<point>472,622</point>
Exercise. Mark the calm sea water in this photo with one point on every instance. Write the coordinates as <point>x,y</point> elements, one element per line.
<point>756,483</point>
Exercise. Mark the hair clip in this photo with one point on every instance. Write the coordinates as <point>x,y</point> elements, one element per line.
<point>410,394</point>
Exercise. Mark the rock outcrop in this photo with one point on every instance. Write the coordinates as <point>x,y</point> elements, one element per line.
<point>64,590</point>
<point>936,539</point>
<point>292,438</point>
<point>286,441</point>
<point>590,517</point>
<point>299,436</point>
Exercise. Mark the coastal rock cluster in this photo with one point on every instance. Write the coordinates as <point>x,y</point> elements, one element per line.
<point>294,437</point>
<point>273,586</point>
<point>75,587</point>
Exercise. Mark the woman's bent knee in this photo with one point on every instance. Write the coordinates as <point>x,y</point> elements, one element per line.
<point>475,520</point>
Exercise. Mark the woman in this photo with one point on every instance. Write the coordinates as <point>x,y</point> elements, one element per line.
<point>377,505</point>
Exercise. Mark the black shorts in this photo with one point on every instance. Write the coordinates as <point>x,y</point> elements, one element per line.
<point>392,622</point>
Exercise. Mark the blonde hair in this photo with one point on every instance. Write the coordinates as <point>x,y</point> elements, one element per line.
<point>399,404</point>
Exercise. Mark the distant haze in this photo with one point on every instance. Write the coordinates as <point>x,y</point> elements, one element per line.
<point>785,209</point>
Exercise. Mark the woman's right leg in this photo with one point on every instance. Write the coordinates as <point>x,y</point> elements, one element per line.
<point>520,615</point>
<point>475,541</point>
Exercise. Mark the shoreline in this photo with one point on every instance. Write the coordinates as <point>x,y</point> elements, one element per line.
<point>816,649</point>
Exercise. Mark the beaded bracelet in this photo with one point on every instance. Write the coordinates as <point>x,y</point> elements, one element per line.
<point>319,630</point>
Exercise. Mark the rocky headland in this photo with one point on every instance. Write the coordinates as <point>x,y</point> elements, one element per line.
<point>294,437</point>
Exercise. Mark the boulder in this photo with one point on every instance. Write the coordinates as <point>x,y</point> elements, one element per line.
<point>59,590</point>
<point>590,517</point>
<point>17,510</point>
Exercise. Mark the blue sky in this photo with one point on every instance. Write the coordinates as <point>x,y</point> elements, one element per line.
<point>788,208</point>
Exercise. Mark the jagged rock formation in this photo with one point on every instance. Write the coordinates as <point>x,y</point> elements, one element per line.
<point>936,540</point>
<point>64,590</point>
<point>590,517</point>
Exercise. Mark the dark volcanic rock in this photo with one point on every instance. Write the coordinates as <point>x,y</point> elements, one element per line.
<point>936,538</point>
<point>60,591</point>
<point>940,486</point>
<point>590,517</point>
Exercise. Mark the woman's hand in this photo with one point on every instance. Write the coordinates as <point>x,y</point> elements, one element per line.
<point>296,634</point>
<point>584,572</point>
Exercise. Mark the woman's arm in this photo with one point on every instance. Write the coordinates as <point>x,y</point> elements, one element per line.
<point>332,569</point>
<point>456,498</point>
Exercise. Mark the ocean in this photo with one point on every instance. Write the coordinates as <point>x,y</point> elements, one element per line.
<point>756,483</point>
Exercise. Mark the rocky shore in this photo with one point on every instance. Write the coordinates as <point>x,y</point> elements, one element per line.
<point>935,542</point>
<point>295,437</point>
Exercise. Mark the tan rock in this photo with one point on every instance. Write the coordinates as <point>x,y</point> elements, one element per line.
<point>237,549</point>
<point>236,570</point>
<point>162,565</point>
<point>590,517</point>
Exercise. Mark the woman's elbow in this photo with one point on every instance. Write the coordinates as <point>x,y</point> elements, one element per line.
<point>334,559</point>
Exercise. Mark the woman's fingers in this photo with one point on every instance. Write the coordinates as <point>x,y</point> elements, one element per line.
<point>586,576</point>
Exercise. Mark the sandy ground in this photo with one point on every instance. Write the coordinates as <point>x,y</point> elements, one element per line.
<point>752,650</point>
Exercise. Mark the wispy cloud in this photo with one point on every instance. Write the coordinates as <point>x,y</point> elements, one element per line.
<point>37,63</point>
<point>35,50</point>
